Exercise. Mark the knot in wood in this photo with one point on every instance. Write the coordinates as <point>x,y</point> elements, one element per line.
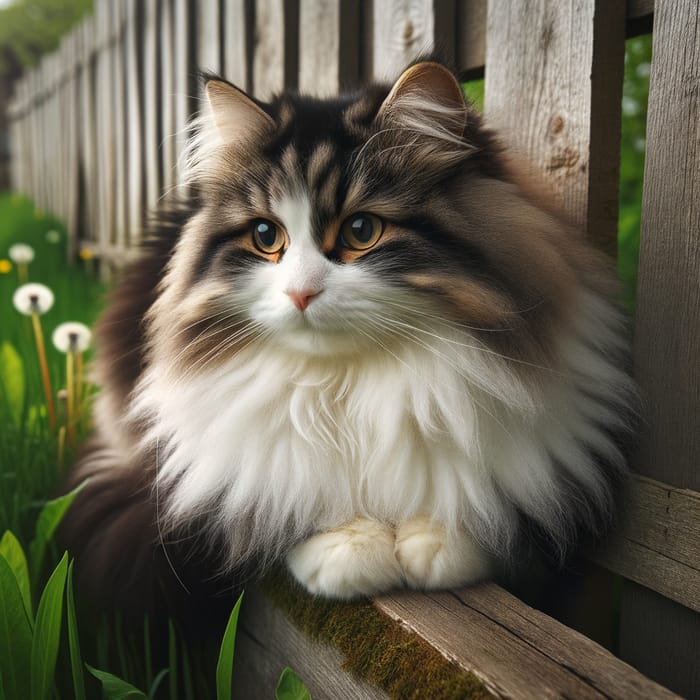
<point>556,126</point>
<point>408,32</point>
<point>563,158</point>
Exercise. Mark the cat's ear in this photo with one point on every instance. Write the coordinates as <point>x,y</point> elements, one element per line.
<point>236,116</point>
<point>426,95</point>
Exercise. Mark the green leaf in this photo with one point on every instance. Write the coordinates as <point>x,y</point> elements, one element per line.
<point>115,688</point>
<point>224,667</point>
<point>49,519</point>
<point>12,379</point>
<point>15,635</point>
<point>290,687</point>
<point>12,550</point>
<point>76,661</point>
<point>47,632</point>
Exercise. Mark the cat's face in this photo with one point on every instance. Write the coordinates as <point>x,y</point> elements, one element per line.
<point>333,227</point>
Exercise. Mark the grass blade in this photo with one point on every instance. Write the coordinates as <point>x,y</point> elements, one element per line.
<point>12,550</point>
<point>291,687</point>
<point>172,659</point>
<point>114,688</point>
<point>49,519</point>
<point>12,380</point>
<point>224,667</point>
<point>156,683</point>
<point>15,636</point>
<point>47,632</point>
<point>76,661</point>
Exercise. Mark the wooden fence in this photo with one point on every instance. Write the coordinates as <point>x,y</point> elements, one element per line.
<point>96,129</point>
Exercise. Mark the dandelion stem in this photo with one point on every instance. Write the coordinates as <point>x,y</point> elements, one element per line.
<point>78,385</point>
<point>70,403</point>
<point>23,272</point>
<point>39,338</point>
<point>61,445</point>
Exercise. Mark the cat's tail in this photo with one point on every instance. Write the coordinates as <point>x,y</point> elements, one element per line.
<point>111,530</point>
<point>121,560</point>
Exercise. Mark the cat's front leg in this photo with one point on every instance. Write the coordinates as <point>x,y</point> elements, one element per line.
<point>432,557</point>
<point>356,559</point>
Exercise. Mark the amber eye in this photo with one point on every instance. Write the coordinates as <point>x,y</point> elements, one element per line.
<point>268,237</point>
<point>360,231</point>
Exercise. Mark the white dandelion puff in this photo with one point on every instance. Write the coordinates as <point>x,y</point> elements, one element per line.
<point>21,253</point>
<point>33,298</point>
<point>72,336</point>
<point>53,236</point>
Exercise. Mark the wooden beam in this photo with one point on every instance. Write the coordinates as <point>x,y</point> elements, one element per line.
<point>482,632</point>
<point>518,652</point>
<point>657,540</point>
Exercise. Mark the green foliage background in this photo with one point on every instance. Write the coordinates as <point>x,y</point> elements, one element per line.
<point>30,28</point>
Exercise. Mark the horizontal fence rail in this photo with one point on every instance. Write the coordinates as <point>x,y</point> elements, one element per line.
<point>97,128</point>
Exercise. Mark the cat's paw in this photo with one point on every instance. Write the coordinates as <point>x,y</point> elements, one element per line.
<point>354,560</point>
<point>431,558</point>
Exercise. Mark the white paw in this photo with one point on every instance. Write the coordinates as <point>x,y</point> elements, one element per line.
<point>354,560</point>
<point>433,558</point>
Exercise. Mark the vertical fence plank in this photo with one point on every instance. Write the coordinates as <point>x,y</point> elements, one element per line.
<point>659,636</point>
<point>151,99</point>
<point>89,175</point>
<point>121,87</point>
<point>406,29</point>
<point>184,75</point>
<point>330,64</point>
<point>131,117</point>
<point>166,28</point>
<point>208,36</point>
<point>275,52</point>
<point>236,23</point>
<point>553,89</point>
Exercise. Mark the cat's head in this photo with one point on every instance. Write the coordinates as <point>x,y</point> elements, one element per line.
<point>339,226</point>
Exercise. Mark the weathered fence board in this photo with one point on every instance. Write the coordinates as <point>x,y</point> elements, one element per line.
<point>518,652</point>
<point>555,69</point>
<point>236,46</point>
<point>656,541</point>
<point>151,96</point>
<point>667,331</point>
<point>406,29</point>
<point>327,67</point>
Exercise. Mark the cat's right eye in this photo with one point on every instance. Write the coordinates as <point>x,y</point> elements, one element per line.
<point>268,237</point>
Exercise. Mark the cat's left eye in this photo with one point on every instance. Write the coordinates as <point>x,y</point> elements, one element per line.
<point>360,231</point>
<point>267,236</point>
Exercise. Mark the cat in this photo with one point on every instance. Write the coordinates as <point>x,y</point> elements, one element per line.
<point>362,346</point>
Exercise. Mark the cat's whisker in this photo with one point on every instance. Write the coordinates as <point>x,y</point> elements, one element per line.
<point>477,348</point>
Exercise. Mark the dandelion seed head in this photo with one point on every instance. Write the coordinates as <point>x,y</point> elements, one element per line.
<point>21,253</point>
<point>72,337</point>
<point>33,298</point>
<point>53,236</point>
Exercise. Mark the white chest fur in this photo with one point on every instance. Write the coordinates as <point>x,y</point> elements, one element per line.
<point>290,445</point>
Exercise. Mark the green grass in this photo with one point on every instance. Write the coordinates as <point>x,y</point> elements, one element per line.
<point>28,451</point>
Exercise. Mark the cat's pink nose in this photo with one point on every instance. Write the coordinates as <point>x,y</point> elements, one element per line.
<point>303,298</point>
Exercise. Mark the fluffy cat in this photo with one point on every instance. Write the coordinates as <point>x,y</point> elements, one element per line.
<point>362,345</point>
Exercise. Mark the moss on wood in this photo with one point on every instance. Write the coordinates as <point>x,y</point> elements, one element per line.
<point>376,648</point>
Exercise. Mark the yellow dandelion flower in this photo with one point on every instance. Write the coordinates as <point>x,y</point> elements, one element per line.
<point>5,266</point>
<point>86,254</point>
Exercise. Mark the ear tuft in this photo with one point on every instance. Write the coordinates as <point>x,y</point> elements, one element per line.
<point>236,116</point>
<point>431,89</point>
